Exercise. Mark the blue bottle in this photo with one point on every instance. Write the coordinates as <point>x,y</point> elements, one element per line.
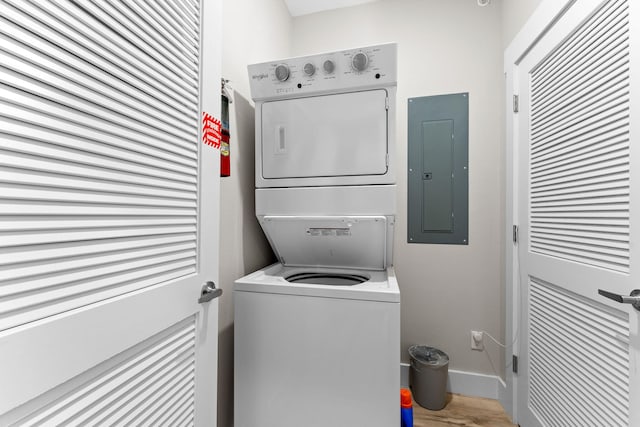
<point>406,408</point>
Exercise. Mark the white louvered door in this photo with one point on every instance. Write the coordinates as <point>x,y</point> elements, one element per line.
<point>108,212</point>
<point>578,197</point>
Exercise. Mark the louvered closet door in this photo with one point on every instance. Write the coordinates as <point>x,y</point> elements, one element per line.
<point>579,212</point>
<point>108,212</point>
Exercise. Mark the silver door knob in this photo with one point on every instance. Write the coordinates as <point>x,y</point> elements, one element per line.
<point>633,298</point>
<point>209,292</point>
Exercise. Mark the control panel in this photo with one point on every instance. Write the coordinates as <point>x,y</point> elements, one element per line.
<point>352,69</point>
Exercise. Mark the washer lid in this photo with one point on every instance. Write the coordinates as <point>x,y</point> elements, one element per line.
<point>328,241</point>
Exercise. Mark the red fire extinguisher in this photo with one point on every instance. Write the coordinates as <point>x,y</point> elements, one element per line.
<point>225,153</point>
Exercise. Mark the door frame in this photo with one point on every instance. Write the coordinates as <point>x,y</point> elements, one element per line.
<point>209,201</point>
<point>540,22</point>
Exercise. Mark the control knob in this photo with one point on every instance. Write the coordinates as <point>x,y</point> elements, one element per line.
<point>360,61</point>
<point>328,66</point>
<point>282,72</point>
<point>309,69</point>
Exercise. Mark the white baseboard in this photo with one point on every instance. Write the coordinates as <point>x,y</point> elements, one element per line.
<point>466,383</point>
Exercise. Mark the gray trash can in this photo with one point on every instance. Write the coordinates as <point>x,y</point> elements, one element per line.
<point>428,376</point>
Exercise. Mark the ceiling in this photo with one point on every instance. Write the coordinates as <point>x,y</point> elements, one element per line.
<point>305,7</point>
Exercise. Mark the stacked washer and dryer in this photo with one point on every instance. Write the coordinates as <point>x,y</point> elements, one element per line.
<point>317,335</point>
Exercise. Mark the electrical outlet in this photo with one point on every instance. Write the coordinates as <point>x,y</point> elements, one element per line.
<point>477,340</point>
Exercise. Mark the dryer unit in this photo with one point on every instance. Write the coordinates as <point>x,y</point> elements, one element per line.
<point>326,119</point>
<point>317,335</point>
<point>325,155</point>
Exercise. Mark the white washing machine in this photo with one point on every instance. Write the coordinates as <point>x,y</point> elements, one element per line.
<point>317,335</point>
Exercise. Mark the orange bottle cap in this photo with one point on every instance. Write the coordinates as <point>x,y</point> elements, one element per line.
<point>405,398</point>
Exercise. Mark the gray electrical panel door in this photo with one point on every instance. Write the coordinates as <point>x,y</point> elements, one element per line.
<point>438,169</point>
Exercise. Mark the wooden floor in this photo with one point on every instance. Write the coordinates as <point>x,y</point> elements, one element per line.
<point>462,411</point>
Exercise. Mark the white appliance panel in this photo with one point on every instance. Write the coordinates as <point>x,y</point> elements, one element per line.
<point>327,201</point>
<point>322,136</point>
<point>309,75</point>
<point>313,361</point>
<point>347,242</point>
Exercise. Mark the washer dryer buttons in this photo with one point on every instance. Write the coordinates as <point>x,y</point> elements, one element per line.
<point>309,69</point>
<point>360,61</point>
<point>328,66</point>
<point>282,72</point>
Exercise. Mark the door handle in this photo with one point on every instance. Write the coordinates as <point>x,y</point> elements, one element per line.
<point>633,298</point>
<point>209,292</point>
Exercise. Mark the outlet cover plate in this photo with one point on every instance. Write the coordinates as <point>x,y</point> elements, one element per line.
<point>477,344</point>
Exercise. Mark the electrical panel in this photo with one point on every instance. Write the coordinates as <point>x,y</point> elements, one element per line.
<point>438,178</point>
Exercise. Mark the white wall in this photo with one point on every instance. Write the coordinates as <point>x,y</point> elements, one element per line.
<point>253,31</point>
<point>444,47</point>
<point>515,14</point>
